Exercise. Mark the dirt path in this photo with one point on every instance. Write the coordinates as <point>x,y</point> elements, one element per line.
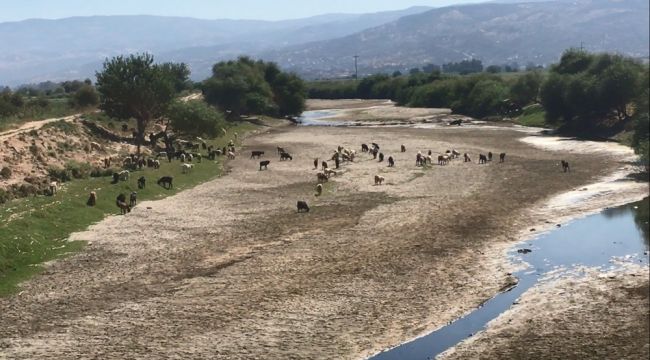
<point>230,270</point>
<point>34,125</point>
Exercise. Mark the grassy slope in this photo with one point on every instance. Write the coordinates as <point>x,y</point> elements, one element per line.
<point>35,230</point>
<point>532,115</point>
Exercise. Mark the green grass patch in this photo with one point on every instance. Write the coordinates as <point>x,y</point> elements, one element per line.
<point>34,230</point>
<point>533,115</point>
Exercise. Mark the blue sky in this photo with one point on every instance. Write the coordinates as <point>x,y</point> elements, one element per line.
<point>12,10</point>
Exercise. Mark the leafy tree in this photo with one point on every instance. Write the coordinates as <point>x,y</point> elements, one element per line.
<point>179,73</point>
<point>289,94</point>
<point>240,87</point>
<point>135,87</point>
<point>553,99</point>
<point>526,88</point>
<point>195,118</point>
<point>618,85</point>
<point>493,69</point>
<point>86,96</point>
<point>573,61</point>
<point>587,88</point>
<point>486,97</point>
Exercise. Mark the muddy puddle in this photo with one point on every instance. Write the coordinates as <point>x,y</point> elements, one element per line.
<point>612,238</point>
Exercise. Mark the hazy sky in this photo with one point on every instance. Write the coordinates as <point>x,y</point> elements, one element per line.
<point>12,10</point>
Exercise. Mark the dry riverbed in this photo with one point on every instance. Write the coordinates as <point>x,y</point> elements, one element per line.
<point>229,270</point>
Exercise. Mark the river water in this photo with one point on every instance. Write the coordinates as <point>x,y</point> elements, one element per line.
<point>605,240</point>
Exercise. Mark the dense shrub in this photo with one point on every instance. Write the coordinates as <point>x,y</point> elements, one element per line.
<point>5,172</point>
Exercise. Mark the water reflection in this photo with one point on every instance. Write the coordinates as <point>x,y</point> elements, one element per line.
<point>593,241</point>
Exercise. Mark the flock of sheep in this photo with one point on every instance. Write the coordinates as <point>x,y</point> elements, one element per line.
<point>134,162</point>
<point>187,159</point>
<point>342,154</point>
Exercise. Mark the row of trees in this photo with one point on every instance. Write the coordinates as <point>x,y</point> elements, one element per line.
<point>136,87</point>
<point>477,95</point>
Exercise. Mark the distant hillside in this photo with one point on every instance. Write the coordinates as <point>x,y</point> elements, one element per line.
<point>71,48</point>
<point>493,32</point>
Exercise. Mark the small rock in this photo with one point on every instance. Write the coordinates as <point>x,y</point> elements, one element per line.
<point>148,207</point>
<point>558,225</point>
<point>524,251</point>
<point>532,229</point>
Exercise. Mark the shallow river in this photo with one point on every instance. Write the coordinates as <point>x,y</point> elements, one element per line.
<point>603,240</point>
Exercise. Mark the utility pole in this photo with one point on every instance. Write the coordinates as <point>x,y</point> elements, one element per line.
<point>356,68</point>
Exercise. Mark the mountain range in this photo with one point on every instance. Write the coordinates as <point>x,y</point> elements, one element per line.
<point>323,46</point>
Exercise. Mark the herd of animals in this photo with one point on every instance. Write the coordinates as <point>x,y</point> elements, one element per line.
<point>339,156</point>
<point>348,155</point>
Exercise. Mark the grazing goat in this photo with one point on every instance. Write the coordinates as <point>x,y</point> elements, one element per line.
<point>142,182</point>
<point>482,159</point>
<point>231,155</point>
<point>116,178</point>
<point>322,177</point>
<point>124,175</point>
<point>166,182</point>
<point>428,159</point>
<point>264,164</point>
<point>133,199</point>
<point>190,157</point>
<point>156,164</point>
<point>364,148</point>
<point>256,153</point>
<point>121,203</point>
<point>489,157</point>
<point>403,148</point>
<point>302,206</point>
<point>455,122</point>
<point>285,156</point>
<point>324,165</point>
<point>374,152</point>
<point>454,153</point>
<point>54,187</point>
<point>391,161</point>
<point>443,159</point>
<point>379,179</point>
<point>316,163</point>
<point>375,146</point>
<point>565,166</point>
<point>319,189</point>
<point>185,168</point>
<point>419,160</point>
<point>381,157</point>
<point>92,199</point>
<point>502,157</point>
<point>467,158</point>
<point>182,157</point>
<point>281,150</point>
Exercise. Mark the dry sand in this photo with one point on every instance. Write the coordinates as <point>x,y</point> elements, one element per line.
<point>229,270</point>
<point>595,316</point>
